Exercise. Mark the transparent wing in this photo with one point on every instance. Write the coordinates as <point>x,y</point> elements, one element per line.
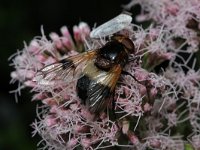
<point>101,89</point>
<point>65,70</point>
<point>113,26</point>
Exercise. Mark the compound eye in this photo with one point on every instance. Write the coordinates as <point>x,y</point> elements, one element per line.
<point>129,45</point>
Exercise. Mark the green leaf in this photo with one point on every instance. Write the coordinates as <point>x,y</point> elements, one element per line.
<point>188,147</point>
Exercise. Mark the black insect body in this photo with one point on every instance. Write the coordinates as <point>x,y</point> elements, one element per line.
<point>96,92</point>
<point>97,71</point>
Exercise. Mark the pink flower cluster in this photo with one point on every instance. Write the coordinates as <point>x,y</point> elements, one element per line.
<point>152,110</point>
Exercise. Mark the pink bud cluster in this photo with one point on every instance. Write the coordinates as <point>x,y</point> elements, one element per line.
<point>173,35</point>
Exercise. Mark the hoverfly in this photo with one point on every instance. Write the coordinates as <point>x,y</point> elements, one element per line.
<point>97,71</point>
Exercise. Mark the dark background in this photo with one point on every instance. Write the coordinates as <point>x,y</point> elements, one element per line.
<point>21,21</point>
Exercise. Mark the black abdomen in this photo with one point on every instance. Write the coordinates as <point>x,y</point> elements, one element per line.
<point>82,88</point>
<point>95,96</point>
